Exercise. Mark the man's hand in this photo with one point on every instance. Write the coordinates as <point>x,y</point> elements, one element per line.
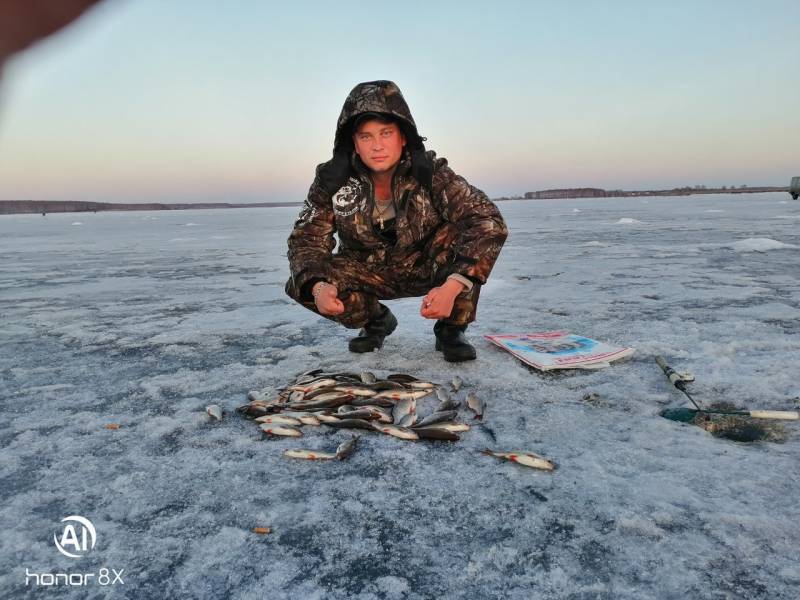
<point>438,303</point>
<point>326,299</point>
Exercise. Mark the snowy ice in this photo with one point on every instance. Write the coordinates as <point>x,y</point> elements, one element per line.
<point>127,320</point>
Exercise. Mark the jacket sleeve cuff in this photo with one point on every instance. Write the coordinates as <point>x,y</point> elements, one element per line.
<point>462,280</point>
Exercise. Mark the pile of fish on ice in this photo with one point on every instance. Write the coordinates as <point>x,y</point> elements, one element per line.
<point>363,401</point>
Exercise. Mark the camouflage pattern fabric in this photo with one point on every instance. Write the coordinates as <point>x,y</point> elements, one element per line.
<point>446,227</point>
<point>362,281</point>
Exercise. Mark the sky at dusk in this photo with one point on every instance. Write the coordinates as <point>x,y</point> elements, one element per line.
<point>202,101</point>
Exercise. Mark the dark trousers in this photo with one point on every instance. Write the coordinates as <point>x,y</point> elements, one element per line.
<point>362,281</point>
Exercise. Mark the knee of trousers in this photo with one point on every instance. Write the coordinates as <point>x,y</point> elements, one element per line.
<point>359,307</point>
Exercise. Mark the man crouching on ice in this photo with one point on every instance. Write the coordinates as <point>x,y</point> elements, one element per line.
<point>406,223</point>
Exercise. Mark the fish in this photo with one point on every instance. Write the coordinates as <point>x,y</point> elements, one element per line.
<point>421,385</point>
<point>253,410</point>
<point>320,403</point>
<point>311,373</point>
<point>373,401</point>
<point>361,413</point>
<point>350,424</point>
<point>346,448</point>
<point>402,394</point>
<point>328,418</point>
<point>214,411</point>
<point>278,420</point>
<point>280,430</point>
<point>457,382</point>
<point>452,426</point>
<point>401,378</point>
<point>355,391</point>
<point>438,417</point>
<point>404,412</point>
<point>451,404</point>
<point>332,395</point>
<point>308,387</point>
<point>367,377</point>
<point>399,432</point>
<point>296,396</point>
<point>476,405</point>
<point>381,414</point>
<point>254,395</point>
<point>309,454</point>
<point>309,420</point>
<point>386,384</point>
<point>442,394</point>
<point>437,433</point>
<point>528,459</point>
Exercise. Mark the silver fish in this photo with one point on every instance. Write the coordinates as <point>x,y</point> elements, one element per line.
<point>381,414</point>
<point>442,394</point>
<point>387,384</point>
<point>405,412</point>
<point>355,391</point>
<point>278,420</point>
<point>350,424</point>
<point>453,427</point>
<point>312,373</point>
<point>401,394</point>
<point>320,403</point>
<point>309,454</point>
<point>457,383</point>
<point>451,404</point>
<point>361,413</point>
<point>528,459</point>
<point>296,396</point>
<point>399,432</point>
<point>373,401</point>
<point>421,385</point>
<point>438,417</point>
<point>328,418</point>
<point>281,430</point>
<point>214,411</point>
<point>309,420</point>
<point>368,377</point>
<point>437,433</point>
<point>347,448</point>
<point>253,410</point>
<point>305,388</point>
<point>476,405</point>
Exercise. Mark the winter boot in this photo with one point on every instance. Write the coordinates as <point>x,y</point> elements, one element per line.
<point>371,336</point>
<point>450,339</point>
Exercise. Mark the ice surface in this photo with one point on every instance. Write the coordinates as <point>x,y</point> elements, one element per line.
<point>127,320</point>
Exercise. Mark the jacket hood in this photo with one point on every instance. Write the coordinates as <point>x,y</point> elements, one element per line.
<point>378,97</point>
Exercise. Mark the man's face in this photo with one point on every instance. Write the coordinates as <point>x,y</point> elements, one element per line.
<point>380,145</point>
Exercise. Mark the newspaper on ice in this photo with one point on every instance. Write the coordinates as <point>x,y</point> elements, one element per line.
<point>549,350</point>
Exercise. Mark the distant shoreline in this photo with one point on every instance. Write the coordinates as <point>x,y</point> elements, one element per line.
<point>20,207</point>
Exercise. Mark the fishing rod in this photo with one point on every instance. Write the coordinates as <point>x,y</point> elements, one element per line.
<point>676,380</point>
<point>687,414</point>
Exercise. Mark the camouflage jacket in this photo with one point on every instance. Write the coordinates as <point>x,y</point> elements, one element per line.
<point>427,193</point>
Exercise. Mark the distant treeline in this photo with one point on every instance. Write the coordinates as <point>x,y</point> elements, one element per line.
<point>681,191</point>
<point>13,207</point>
